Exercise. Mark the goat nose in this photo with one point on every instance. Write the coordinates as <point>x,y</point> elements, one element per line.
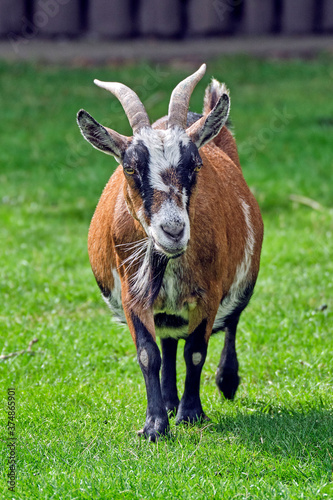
<point>174,231</point>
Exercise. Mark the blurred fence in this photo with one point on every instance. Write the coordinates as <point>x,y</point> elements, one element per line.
<point>162,18</point>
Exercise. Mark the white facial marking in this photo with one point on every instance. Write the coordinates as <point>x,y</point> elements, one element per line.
<point>174,138</point>
<point>153,140</point>
<point>184,197</point>
<point>144,360</point>
<point>196,358</point>
<point>164,152</point>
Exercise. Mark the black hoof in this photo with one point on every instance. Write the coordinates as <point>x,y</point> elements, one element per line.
<point>190,416</point>
<point>154,429</point>
<point>227,382</point>
<point>171,408</point>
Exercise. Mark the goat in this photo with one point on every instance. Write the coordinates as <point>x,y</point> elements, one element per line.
<point>175,241</point>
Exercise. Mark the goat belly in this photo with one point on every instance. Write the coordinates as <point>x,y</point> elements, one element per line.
<point>172,325</point>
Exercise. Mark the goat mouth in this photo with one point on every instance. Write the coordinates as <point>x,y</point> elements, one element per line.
<point>171,253</point>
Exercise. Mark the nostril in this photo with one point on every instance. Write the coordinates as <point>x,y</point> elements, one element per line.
<point>175,232</point>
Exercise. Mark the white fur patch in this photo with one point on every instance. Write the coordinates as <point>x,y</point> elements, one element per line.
<point>184,198</point>
<point>173,333</point>
<point>164,151</point>
<point>174,136</point>
<point>196,358</point>
<point>144,360</point>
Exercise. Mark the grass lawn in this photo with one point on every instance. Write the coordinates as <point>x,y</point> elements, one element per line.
<point>81,399</point>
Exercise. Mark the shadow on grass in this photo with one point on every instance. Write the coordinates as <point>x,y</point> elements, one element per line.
<point>281,431</point>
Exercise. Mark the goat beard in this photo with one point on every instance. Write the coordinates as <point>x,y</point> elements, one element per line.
<point>147,280</point>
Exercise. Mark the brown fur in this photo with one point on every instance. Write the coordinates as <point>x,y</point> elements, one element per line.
<point>215,247</point>
<point>209,284</point>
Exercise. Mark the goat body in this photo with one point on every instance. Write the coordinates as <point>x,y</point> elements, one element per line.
<point>175,242</point>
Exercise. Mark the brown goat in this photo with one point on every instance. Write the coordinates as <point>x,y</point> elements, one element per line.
<point>175,241</point>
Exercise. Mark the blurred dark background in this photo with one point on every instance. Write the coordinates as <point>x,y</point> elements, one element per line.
<point>165,19</point>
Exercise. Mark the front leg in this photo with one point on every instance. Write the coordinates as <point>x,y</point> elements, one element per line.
<point>149,358</point>
<point>190,408</point>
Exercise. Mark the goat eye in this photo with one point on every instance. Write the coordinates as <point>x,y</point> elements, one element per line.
<point>129,171</point>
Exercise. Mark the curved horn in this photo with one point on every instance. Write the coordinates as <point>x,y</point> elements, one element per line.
<point>180,98</point>
<point>133,107</point>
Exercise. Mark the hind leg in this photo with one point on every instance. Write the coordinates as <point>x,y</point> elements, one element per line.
<point>227,378</point>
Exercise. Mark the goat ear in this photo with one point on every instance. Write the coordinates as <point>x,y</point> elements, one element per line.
<point>106,140</point>
<point>208,127</point>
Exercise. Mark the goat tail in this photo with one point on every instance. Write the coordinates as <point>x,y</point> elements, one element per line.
<point>212,94</point>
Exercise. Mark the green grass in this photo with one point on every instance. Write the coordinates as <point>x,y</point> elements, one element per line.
<point>81,399</point>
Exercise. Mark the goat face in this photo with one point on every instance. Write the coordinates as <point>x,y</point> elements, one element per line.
<point>160,166</point>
